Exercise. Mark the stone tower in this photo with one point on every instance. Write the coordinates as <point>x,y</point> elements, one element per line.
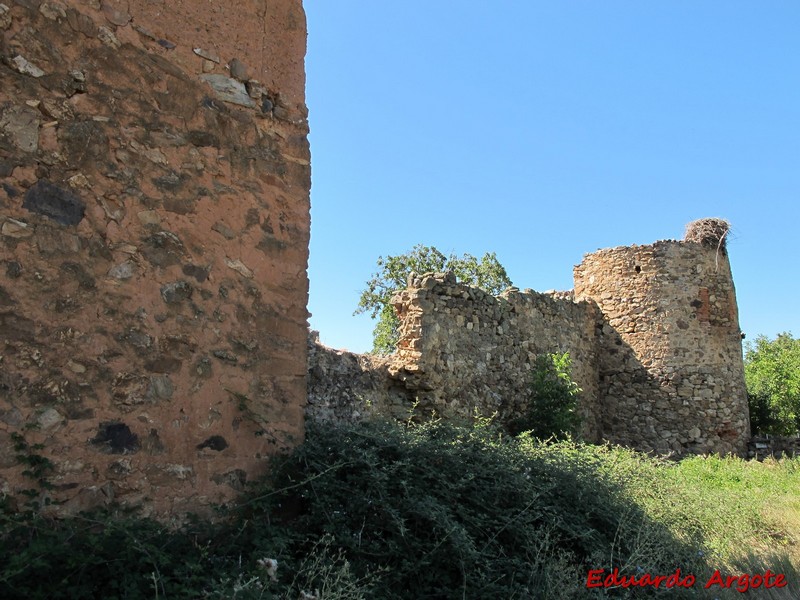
<point>154,226</point>
<point>671,370</point>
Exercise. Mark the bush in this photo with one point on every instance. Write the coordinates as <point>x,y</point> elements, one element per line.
<point>448,512</point>
<point>393,512</point>
<point>552,407</point>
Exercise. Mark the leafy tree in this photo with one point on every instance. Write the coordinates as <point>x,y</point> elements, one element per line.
<point>552,409</point>
<point>485,273</point>
<point>772,373</point>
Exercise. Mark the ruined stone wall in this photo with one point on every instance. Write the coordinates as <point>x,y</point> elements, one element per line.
<point>345,387</point>
<point>463,349</point>
<point>672,375</point>
<point>652,331</point>
<point>154,224</point>
<point>763,447</point>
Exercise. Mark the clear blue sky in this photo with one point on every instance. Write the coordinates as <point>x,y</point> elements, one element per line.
<point>546,130</point>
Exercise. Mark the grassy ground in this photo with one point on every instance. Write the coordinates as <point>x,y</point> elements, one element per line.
<point>435,511</point>
<point>745,504</point>
<point>747,513</point>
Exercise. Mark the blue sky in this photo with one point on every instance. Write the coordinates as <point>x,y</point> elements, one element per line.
<point>543,131</point>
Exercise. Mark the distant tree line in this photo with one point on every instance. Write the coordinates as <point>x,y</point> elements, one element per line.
<point>772,373</point>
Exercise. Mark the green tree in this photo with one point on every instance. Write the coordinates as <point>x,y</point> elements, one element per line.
<point>485,273</point>
<point>772,373</point>
<point>553,405</point>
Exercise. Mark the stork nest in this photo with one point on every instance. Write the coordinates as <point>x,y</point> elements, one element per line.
<point>709,232</point>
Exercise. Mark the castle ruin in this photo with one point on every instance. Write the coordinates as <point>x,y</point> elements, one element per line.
<point>154,227</point>
<point>652,332</point>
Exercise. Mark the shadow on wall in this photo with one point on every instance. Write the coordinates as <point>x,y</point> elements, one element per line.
<point>344,387</point>
<point>652,332</point>
<point>656,414</point>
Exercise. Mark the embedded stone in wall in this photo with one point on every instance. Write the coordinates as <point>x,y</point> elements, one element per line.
<point>21,125</point>
<point>228,89</point>
<point>116,438</point>
<point>60,205</point>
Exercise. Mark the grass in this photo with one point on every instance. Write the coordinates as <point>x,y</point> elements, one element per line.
<point>434,511</point>
<point>746,504</point>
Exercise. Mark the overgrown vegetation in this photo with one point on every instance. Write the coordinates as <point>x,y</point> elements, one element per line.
<point>772,373</point>
<point>393,511</point>
<point>553,405</point>
<point>485,273</point>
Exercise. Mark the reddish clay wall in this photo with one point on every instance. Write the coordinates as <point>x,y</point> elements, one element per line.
<point>154,224</point>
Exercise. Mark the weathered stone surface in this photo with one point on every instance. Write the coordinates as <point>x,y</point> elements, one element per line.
<point>652,332</point>
<point>239,267</point>
<point>203,138</point>
<point>224,230</point>
<point>239,70</point>
<point>116,438</point>
<point>236,479</point>
<point>53,11</point>
<point>207,54</point>
<point>14,327</point>
<point>81,23</point>
<point>87,141</point>
<point>228,89</point>
<point>5,298</point>
<point>13,269</point>
<point>676,354</point>
<point>124,270</point>
<point>16,229</point>
<point>12,417</point>
<point>80,274</point>
<point>162,387</point>
<point>5,17</point>
<point>21,125</point>
<point>49,418</point>
<point>21,64</point>
<point>108,37</point>
<point>344,387</point>
<point>163,249</point>
<point>163,364</point>
<point>129,390</point>
<point>31,5</point>
<point>53,241</point>
<point>176,292</point>
<point>60,205</point>
<point>116,12</point>
<point>117,119</point>
<point>199,273</point>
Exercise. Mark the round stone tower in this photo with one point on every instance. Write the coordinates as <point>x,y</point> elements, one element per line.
<point>671,368</point>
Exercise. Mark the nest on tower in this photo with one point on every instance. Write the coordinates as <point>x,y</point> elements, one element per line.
<point>709,232</point>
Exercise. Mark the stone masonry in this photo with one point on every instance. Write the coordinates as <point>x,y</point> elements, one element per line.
<point>154,226</point>
<point>463,350</point>
<point>652,332</point>
<point>672,374</point>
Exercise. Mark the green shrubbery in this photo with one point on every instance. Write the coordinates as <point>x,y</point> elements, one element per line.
<point>423,511</point>
<point>772,373</point>
<point>553,403</point>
